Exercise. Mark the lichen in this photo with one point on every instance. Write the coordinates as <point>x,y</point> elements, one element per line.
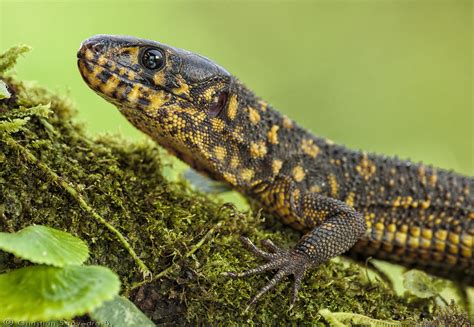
<point>52,173</point>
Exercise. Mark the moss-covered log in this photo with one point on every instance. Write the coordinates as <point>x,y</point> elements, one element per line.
<point>168,243</point>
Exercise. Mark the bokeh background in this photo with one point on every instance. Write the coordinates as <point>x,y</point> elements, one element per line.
<point>389,76</point>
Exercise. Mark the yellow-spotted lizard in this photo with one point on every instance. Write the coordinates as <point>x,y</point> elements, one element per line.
<point>342,200</point>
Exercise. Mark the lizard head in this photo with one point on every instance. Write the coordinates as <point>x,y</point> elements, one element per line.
<point>184,101</point>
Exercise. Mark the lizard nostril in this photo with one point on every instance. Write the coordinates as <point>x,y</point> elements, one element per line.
<point>97,47</point>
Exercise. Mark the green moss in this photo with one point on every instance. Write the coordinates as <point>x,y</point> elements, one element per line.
<point>111,193</point>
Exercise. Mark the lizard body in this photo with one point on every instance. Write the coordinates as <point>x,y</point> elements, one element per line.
<point>342,200</point>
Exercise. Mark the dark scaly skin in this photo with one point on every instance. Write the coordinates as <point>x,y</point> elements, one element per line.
<point>343,200</point>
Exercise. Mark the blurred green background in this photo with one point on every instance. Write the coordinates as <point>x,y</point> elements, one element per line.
<point>387,76</point>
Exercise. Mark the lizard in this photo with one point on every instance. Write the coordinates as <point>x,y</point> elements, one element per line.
<point>342,200</point>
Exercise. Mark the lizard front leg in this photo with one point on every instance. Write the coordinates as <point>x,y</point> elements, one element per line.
<point>335,228</point>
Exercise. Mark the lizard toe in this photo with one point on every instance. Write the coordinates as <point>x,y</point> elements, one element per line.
<point>285,262</point>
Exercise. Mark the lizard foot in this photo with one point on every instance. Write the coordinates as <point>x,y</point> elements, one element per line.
<point>287,262</point>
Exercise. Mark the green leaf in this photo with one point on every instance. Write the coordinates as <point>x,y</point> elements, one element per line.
<point>42,293</point>
<point>120,312</point>
<point>45,245</point>
<point>421,284</point>
<point>4,93</point>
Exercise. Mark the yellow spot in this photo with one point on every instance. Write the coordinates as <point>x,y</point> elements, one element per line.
<point>220,152</point>
<point>467,240</point>
<point>253,116</point>
<point>159,78</point>
<point>400,238</point>
<point>276,166</point>
<point>471,215</point>
<point>392,228</point>
<point>379,226</point>
<point>110,86</point>
<point>315,189</point>
<point>366,168</point>
<point>182,89</point>
<point>263,105</point>
<point>425,204</point>
<point>397,201</point>
<point>217,124</point>
<point>329,142</point>
<point>432,180</point>
<point>454,238</point>
<point>334,185</point>
<point>258,149</point>
<point>232,107</point>
<point>453,249</point>
<point>308,147</point>
<point>237,134</point>
<point>441,234</point>
<point>234,162</point>
<point>200,116</point>
<point>350,199</point>
<point>422,174</point>
<point>427,234</point>
<point>157,98</point>
<point>134,94</point>
<point>413,242</point>
<point>230,178</point>
<point>298,173</point>
<point>466,252</point>
<point>439,245</point>
<point>287,123</point>
<point>273,134</point>
<point>246,174</point>
<point>415,231</point>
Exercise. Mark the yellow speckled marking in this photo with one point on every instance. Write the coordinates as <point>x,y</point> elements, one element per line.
<point>234,162</point>
<point>183,87</point>
<point>441,234</point>
<point>230,178</point>
<point>247,174</point>
<point>333,184</point>
<point>366,168</point>
<point>298,173</point>
<point>273,134</point>
<point>263,105</point>
<point>238,135</point>
<point>287,123</point>
<point>159,78</point>
<point>425,204</point>
<point>350,199</point>
<point>392,228</point>
<point>232,107</point>
<point>220,152</point>
<point>276,166</point>
<point>254,116</point>
<point>217,125</point>
<point>308,147</point>
<point>258,149</point>
<point>433,179</point>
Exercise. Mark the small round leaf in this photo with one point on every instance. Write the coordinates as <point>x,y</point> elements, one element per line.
<point>45,245</point>
<point>42,293</point>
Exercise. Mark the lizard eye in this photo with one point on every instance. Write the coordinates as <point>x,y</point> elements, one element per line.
<point>153,59</point>
<point>218,103</point>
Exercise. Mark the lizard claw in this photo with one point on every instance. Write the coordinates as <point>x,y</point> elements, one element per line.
<point>286,262</point>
